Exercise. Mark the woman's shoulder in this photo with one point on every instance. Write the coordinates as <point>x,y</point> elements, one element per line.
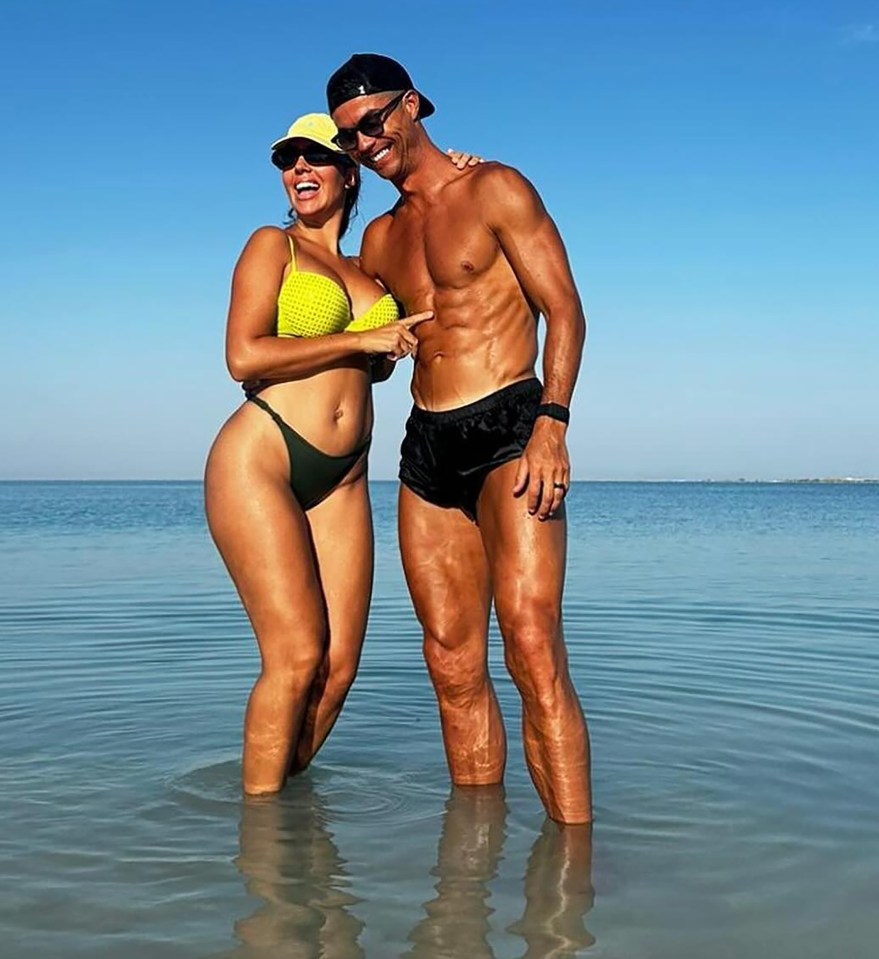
<point>269,238</point>
<point>267,243</point>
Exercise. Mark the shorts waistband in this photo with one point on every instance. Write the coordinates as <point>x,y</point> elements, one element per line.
<point>532,384</point>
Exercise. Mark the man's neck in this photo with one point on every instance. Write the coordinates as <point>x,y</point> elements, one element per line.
<point>428,171</point>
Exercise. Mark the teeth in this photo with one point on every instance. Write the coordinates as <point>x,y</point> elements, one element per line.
<point>306,187</point>
<point>381,153</point>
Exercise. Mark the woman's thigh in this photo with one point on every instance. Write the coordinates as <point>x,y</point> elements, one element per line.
<point>341,531</point>
<point>263,536</point>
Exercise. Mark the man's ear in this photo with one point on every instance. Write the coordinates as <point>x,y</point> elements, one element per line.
<point>412,103</point>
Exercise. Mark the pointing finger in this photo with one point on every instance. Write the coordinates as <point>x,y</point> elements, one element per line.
<point>409,321</point>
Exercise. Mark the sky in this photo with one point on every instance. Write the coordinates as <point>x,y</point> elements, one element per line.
<point>712,167</point>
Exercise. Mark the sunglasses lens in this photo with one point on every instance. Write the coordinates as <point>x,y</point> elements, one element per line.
<point>283,159</point>
<point>372,125</point>
<point>319,158</point>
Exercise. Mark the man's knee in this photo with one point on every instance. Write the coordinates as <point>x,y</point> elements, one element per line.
<point>534,650</point>
<point>456,663</point>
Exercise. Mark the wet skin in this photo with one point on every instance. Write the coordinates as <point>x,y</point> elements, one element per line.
<point>305,579</point>
<point>477,247</point>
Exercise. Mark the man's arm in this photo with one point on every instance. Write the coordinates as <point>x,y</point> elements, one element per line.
<point>371,245</point>
<point>531,243</point>
<point>368,262</point>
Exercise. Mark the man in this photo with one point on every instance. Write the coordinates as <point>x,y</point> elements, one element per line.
<point>484,465</point>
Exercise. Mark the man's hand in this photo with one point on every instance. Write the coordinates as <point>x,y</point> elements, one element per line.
<point>545,469</point>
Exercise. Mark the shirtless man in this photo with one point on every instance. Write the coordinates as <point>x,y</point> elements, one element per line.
<point>484,465</point>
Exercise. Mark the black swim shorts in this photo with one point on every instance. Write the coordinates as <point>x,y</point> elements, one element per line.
<point>446,456</point>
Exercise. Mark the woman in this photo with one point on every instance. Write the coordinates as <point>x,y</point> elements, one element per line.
<point>285,482</point>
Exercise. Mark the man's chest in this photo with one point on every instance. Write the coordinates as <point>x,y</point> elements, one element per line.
<point>444,247</point>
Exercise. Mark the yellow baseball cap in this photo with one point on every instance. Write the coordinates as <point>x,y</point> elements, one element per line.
<point>317,127</point>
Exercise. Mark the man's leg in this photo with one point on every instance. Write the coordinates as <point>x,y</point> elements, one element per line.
<point>447,573</point>
<point>527,563</point>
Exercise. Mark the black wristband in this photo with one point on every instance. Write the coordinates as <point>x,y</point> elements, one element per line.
<point>555,411</point>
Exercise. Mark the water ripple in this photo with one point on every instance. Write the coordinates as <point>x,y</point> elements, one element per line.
<point>725,642</point>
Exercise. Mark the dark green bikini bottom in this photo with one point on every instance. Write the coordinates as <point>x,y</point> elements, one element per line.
<point>315,473</point>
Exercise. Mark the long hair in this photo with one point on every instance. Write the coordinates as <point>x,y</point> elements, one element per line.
<point>352,195</point>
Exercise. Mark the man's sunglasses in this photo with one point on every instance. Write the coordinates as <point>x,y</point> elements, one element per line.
<point>287,157</point>
<point>371,124</point>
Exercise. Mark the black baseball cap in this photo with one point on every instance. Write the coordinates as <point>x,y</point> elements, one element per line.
<point>367,73</point>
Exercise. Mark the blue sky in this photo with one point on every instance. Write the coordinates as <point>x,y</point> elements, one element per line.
<point>712,166</point>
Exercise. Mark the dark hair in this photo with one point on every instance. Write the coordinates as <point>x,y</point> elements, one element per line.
<point>352,195</point>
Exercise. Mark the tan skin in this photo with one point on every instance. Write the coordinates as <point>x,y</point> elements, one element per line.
<point>304,577</point>
<point>482,253</point>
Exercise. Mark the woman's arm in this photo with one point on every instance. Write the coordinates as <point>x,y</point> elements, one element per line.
<point>253,349</point>
<point>255,352</point>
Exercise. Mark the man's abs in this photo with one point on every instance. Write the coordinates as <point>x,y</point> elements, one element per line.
<point>484,333</point>
<point>442,257</point>
<point>463,358</point>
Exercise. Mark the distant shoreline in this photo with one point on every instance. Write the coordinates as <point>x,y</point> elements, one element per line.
<point>810,481</point>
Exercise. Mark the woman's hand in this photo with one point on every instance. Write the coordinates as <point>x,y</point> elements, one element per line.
<point>462,160</point>
<point>395,340</point>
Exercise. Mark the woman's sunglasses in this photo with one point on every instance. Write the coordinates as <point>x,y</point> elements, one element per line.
<point>371,124</point>
<point>287,157</point>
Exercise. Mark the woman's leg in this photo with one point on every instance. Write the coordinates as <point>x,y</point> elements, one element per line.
<point>263,537</point>
<point>341,531</point>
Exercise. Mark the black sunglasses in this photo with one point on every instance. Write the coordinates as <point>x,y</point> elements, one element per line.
<point>286,157</point>
<point>371,124</point>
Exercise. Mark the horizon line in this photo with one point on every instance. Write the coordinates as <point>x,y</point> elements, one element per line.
<point>669,480</point>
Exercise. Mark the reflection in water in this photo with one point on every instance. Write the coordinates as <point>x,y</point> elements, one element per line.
<point>558,885</point>
<point>469,849</point>
<point>558,893</point>
<point>290,861</point>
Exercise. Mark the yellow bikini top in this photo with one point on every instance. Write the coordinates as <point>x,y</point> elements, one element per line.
<point>313,305</point>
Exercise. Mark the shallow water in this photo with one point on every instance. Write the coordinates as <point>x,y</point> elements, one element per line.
<point>725,642</point>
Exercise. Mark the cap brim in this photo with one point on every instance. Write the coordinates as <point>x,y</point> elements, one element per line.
<point>425,107</point>
<point>278,144</point>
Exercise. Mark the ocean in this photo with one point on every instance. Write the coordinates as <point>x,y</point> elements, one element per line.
<point>724,639</point>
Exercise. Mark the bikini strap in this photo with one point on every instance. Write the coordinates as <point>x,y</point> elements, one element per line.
<point>265,406</point>
<point>293,267</point>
